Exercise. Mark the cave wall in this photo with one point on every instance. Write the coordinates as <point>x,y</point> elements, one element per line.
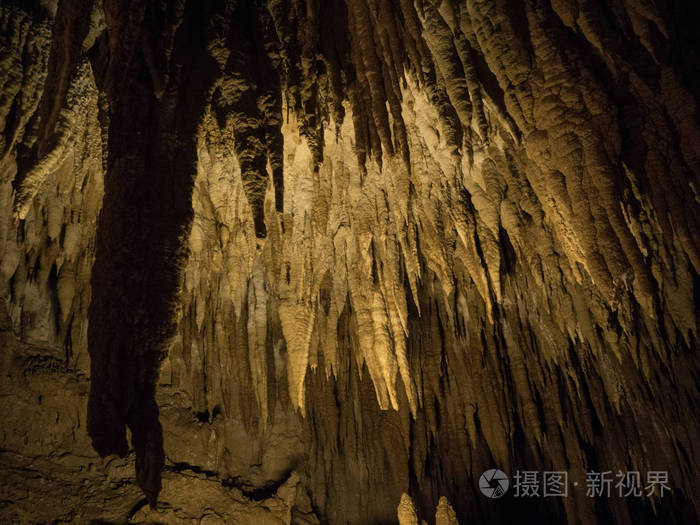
<point>341,251</point>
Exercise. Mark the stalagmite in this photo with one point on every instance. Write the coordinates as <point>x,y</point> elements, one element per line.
<point>407,511</point>
<point>445,515</point>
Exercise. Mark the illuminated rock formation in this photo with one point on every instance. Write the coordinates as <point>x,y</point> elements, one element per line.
<point>316,261</point>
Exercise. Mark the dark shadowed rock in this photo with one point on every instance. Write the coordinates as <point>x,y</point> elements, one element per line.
<point>301,261</point>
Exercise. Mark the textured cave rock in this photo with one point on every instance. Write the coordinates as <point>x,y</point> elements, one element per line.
<point>326,261</point>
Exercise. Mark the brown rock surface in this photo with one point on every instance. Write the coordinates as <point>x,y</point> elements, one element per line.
<point>302,261</point>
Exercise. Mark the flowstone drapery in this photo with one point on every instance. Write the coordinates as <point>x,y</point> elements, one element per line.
<point>316,261</point>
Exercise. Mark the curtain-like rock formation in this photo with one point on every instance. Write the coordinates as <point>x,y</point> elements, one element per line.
<point>328,261</point>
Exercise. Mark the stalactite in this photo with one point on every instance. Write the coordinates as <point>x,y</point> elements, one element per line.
<point>350,254</point>
<point>145,216</point>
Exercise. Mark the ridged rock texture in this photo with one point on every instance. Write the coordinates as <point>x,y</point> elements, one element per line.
<point>326,261</point>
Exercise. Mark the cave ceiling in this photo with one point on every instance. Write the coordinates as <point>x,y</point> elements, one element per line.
<point>328,261</point>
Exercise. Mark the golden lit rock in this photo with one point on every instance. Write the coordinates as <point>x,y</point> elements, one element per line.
<point>290,261</point>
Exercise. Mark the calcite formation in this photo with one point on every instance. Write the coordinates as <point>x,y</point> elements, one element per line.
<point>327,261</point>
